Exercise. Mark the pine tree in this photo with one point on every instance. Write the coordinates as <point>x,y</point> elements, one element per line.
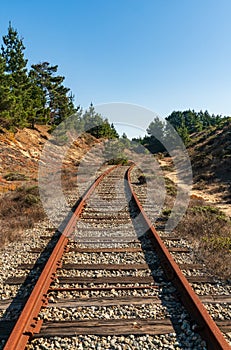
<point>18,81</point>
<point>75,122</point>
<point>92,122</point>
<point>5,97</point>
<point>57,103</point>
<point>114,133</point>
<point>97,126</point>
<point>108,131</point>
<point>36,115</point>
<point>156,130</point>
<point>184,133</point>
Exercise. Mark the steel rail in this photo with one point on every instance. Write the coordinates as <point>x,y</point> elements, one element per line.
<point>28,322</point>
<point>207,328</point>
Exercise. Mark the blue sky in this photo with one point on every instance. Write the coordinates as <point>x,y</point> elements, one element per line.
<point>164,55</point>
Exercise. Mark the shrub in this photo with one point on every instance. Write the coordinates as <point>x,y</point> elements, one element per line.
<point>116,161</point>
<point>19,210</point>
<point>171,188</point>
<point>210,231</point>
<point>14,176</point>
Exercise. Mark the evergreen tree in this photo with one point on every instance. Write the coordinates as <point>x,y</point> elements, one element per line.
<point>184,133</point>
<point>5,97</point>
<point>155,141</point>
<point>39,98</point>
<point>18,81</point>
<point>124,139</point>
<point>107,130</point>
<point>156,128</point>
<point>175,119</point>
<point>192,121</point>
<point>36,115</point>
<point>92,121</point>
<point>114,132</point>
<point>75,122</point>
<point>114,152</point>
<point>97,126</point>
<point>57,104</point>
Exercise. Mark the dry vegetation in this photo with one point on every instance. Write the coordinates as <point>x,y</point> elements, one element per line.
<point>20,205</point>
<point>19,210</point>
<point>210,232</point>
<point>208,229</point>
<point>204,224</point>
<point>22,208</point>
<point>210,154</point>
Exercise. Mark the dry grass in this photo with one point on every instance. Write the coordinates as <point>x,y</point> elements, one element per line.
<point>69,179</point>
<point>167,168</point>
<point>19,210</point>
<point>210,231</point>
<point>170,187</point>
<point>22,208</point>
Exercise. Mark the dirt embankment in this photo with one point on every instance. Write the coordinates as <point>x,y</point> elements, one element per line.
<point>20,157</point>
<point>20,154</point>
<point>210,155</point>
<point>210,193</point>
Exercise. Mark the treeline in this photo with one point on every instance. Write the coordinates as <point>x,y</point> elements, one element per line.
<point>185,123</point>
<point>38,95</point>
<point>188,122</point>
<point>89,121</point>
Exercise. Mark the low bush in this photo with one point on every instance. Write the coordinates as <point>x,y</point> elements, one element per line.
<point>14,176</point>
<point>170,187</point>
<point>19,210</point>
<point>116,161</point>
<point>210,230</point>
<point>167,168</point>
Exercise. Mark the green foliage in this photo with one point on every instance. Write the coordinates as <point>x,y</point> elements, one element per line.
<point>138,148</point>
<point>14,176</point>
<point>26,98</point>
<point>27,196</point>
<point>94,124</point>
<point>5,98</point>
<point>40,97</point>
<point>114,152</point>
<point>188,122</point>
<point>16,78</point>
<point>218,242</point>
<point>209,211</point>
<point>56,104</point>
<point>156,131</point>
<point>185,123</point>
<point>79,122</point>
<point>116,161</point>
<point>167,212</point>
<point>156,128</point>
<point>31,199</point>
<point>75,122</point>
<point>170,187</point>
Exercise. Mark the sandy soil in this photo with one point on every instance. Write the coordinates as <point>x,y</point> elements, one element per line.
<point>206,194</point>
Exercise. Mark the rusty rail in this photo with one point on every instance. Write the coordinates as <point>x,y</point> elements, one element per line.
<point>207,328</point>
<point>28,322</point>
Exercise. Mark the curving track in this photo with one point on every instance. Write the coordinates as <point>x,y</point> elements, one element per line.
<point>109,282</point>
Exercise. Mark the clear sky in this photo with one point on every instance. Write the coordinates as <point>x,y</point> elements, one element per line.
<point>164,55</point>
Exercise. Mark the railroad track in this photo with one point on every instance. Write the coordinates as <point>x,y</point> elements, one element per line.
<point>110,282</point>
